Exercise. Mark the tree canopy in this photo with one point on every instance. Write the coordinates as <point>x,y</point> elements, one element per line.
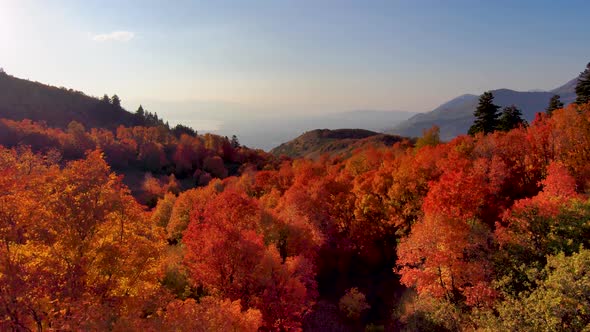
<point>486,115</point>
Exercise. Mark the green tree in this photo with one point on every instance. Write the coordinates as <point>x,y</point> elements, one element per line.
<point>510,118</point>
<point>105,99</point>
<point>486,115</point>
<point>583,87</point>
<point>116,101</point>
<point>430,137</point>
<point>554,104</point>
<point>235,143</point>
<point>560,303</point>
<point>140,112</point>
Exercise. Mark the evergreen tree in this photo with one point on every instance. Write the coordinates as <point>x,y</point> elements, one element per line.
<point>583,87</point>
<point>554,104</point>
<point>105,99</point>
<point>116,101</point>
<point>235,143</point>
<point>510,118</point>
<point>140,112</point>
<point>486,115</point>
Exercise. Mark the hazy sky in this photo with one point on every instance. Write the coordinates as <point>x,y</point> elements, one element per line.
<point>306,55</point>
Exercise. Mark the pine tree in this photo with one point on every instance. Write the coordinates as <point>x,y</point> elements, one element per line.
<point>510,118</point>
<point>486,115</point>
<point>583,87</point>
<point>554,104</point>
<point>140,111</point>
<point>116,101</point>
<point>105,99</point>
<point>235,143</point>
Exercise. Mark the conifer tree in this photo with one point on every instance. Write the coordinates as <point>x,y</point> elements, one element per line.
<point>105,99</point>
<point>486,115</point>
<point>583,87</point>
<point>510,118</point>
<point>116,101</point>
<point>140,112</point>
<point>235,143</point>
<point>554,104</point>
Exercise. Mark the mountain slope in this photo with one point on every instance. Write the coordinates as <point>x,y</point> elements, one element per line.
<point>315,143</point>
<point>23,99</point>
<point>456,116</point>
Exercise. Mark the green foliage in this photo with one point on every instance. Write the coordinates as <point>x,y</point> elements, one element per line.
<point>116,101</point>
<point>519,263</point>
<point>353,304</point>
<point>510,118</point>
<point>430,314</point>
<point>430,137</point>
<point>180,129</point>
<point>140,112</point>
<point>486,115</point>
<point>583,87</point>
<point>554,104</point>
<point>560,303</point>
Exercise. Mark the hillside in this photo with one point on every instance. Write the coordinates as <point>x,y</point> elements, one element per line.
<point>270,130</point>
<point>315,143</point>
<point>456,116</point>
<point>23,99</point>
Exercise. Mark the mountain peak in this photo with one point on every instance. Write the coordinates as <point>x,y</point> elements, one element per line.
<point>456,116</point>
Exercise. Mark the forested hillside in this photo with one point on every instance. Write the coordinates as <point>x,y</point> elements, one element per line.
<point>486,232</point>
<point>153,159</point>
<point>339,142</point>
<point>23,99</point>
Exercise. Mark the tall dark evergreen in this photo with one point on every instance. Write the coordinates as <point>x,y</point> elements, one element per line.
<point>486,115</point>
<point>554,104</point>
<point>116,101</point>
<point>105,99</point>
<point>235,143</point>
<point>510,118</point>
<point>140,112</point>
<point>583,87</point>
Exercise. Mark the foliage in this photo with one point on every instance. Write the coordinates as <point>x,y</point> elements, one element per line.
<point>486,115</point>
<point>561,302</point>
<point>583,87</point>
<point>554,104</point>
<point>510,118</point>
<point>353,303</point>
<point>477,230</point>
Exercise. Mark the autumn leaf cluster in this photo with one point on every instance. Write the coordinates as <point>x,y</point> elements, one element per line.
<point>486,232</point>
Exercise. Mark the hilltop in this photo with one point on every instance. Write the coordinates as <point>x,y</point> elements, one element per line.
<point>57,106</point>
<point>315,143</point>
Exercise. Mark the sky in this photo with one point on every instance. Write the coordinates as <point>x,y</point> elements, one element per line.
<point>277,58</point>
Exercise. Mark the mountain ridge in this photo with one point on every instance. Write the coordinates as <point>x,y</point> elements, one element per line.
<point>455,116</point>
<point>57,106</point>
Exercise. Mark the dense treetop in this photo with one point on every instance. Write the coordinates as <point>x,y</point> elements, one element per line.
<point>483,232</point>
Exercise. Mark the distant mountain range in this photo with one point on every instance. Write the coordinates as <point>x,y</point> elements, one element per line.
<point>456,116</point>
<point>339,142</point>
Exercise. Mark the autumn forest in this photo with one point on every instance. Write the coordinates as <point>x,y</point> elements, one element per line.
<point>138,226</point>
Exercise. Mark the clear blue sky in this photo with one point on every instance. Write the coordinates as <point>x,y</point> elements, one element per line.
<point>306,55</point>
